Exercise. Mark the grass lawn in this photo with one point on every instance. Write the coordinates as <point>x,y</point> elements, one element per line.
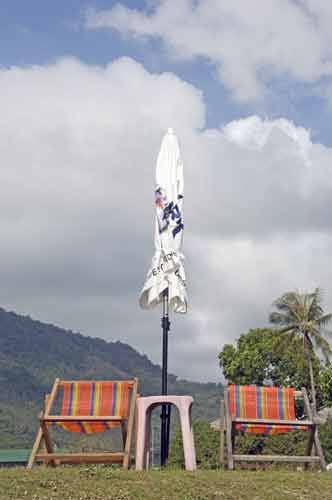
<point>103,483</point>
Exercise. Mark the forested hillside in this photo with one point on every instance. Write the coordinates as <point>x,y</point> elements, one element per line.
<point>33,354</point>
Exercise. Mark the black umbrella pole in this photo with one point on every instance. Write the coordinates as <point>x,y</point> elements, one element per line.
<point>165,412</point>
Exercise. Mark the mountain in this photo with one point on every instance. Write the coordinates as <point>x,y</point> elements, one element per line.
<point>33,354</point>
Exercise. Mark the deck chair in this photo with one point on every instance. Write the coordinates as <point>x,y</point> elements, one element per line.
<point>87,407</point>
<point>266,410</point>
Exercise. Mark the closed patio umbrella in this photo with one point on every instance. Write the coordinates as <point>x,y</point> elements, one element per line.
<point>165,282</point>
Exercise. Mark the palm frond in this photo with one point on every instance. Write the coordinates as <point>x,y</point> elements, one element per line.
<point>283,302</point>
<point>315,308</point>
<point>289,305</point>
<point>279,318</point>
<point>324,321</point>
<point>320,342</point>
<point>290,330</point>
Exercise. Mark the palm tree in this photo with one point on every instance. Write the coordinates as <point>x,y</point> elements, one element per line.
<point>301,315</point>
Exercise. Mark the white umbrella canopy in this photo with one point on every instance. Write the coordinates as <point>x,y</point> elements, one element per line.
<point>167,270</point>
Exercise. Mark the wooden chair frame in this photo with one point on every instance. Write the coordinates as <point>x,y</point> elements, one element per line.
<point>46,418</point>
<point>314,452</point>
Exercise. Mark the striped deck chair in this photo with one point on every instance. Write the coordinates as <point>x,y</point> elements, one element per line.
<point>87,407</point>
<point>266,410</point>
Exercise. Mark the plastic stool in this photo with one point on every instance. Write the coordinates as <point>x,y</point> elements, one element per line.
<point>144,407</point>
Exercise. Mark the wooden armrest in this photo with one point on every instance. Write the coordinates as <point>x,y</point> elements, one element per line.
<point>264,421</point>
<point>129,382</point>
<point>80,418</point>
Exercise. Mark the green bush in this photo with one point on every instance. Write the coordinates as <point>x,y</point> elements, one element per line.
<point>325,435</point>
<point>207,444</point>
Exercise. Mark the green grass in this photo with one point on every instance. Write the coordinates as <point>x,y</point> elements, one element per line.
<point>106,483</point>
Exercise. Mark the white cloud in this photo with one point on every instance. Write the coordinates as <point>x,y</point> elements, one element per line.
<point>78,147</point>
<point>248,42</point>
<point>253,132</point>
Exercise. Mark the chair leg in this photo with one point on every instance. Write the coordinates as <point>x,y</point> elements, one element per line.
<point>229,434</point>
<point>35,448</point>
<point>141,435</point>
<point>129,428</point>
<point>39,437</point>
<point>135,425</point>
<point>230,461</point>
<point>222,434</point>
<point>319,451</point>
<point>48,442</point>
<point>147,438</point>
<point>318,446</point>
<point>310,445</point>
<point>124,433</point>
<point>187,437</point>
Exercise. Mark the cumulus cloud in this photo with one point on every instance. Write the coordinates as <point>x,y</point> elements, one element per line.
<point>248,43</point>
<point>78,148</point>
<point>253,132</point>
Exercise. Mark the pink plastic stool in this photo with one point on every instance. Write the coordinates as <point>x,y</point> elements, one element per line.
<point>144,407</point>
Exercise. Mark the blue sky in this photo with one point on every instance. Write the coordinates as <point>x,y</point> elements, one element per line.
<point>39,32</point>
<point>87,90</point>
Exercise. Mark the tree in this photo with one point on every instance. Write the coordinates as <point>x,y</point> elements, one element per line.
<point>302,316</point>
<point>259,358</point>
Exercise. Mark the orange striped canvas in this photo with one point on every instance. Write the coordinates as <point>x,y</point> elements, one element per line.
<point>250,401</point>
<point>94,399</point>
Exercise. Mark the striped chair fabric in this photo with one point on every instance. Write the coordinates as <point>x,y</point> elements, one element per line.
<point>94,399</point>
<point>250,401</point>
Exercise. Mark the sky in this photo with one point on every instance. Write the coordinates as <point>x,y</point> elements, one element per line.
<point>87,90</point>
